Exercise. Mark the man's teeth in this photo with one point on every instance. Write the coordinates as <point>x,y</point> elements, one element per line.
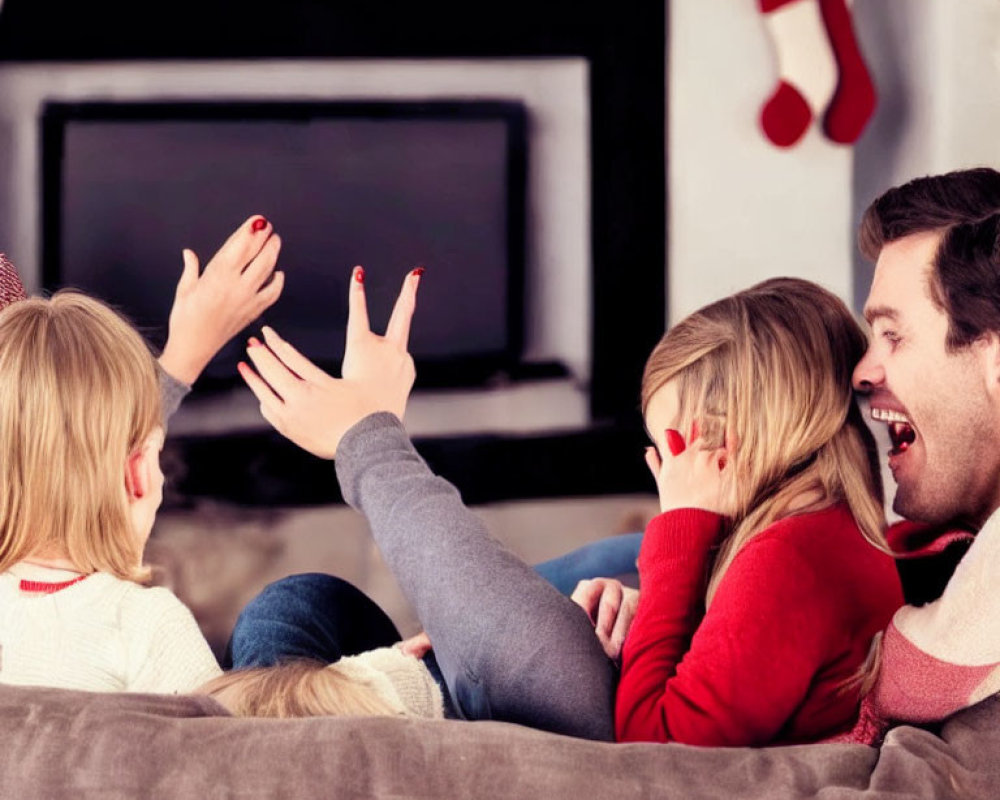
<point>887,415</point>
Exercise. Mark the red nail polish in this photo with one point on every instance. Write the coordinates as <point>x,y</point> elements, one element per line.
<point>258,224</point>
<point>359,274</point>
<point>253,341</point>
<point>419,271</point>
<point>695,431</point>
<point>675,442</point>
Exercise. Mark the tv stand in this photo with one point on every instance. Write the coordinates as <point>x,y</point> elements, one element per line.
<point>534,399</point>
<point>262,468</point>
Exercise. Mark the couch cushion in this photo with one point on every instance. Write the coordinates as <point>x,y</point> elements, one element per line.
<point>62,743</point>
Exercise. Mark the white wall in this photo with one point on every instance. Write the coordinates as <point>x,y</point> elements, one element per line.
<point>937,65</point>
<point>938,62</point>
<point>740,209</point>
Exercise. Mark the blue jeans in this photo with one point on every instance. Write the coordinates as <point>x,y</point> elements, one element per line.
<point>606,558</point>
<point>281,622</point>
<point>323,617</point>
<point>308,616</point>
<point>317,616</point>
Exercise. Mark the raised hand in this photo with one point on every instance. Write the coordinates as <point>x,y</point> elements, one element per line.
<point>236,287</point>
<point>417,645</point>
<point>314,409</point>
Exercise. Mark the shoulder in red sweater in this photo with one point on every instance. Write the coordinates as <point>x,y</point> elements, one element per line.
<point>790,624</point>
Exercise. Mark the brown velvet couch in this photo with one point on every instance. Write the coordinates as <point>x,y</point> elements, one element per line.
<point>65,744</point>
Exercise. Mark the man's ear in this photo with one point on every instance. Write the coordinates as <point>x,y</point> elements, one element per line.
<point>990,345</point>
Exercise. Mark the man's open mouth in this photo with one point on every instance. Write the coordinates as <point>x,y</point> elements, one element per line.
<point>901,432</point>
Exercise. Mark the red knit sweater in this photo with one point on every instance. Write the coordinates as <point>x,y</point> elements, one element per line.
<point>792,620</point>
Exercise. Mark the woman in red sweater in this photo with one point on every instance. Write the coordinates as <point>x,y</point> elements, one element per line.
<point>765,579</point>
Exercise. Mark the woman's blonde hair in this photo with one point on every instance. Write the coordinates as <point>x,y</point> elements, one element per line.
<point>297,688</point>
<point>79,393</point>
<point>768,370</point>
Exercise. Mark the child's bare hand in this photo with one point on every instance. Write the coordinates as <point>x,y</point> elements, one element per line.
<point>417,646</point>
<point>235,288</point>
<point>690,476</point>
<point>611,607</point>
<point>315,410</point>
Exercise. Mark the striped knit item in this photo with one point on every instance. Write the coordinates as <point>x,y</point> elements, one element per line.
<point>943,656</point>
<point>11,288</point>
<point>47,587</point>
<point>919,687</point>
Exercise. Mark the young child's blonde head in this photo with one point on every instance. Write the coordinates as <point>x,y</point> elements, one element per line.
<point>78,395</point>
<point>298,688</point>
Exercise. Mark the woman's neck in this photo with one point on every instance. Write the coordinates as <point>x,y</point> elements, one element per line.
<point>52,562</point>
<point>810,498</point>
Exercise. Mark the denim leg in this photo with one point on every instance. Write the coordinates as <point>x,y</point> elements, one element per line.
<point>605,558</point>
<point>307,616</point>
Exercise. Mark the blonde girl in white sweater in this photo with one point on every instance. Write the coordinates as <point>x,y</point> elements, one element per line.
<point>80,483</point>
<point>81,428</point>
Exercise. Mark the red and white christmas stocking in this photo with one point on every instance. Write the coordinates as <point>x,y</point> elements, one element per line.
<point>854,101</point>
<point>820,72</point>
<point>807,69</point>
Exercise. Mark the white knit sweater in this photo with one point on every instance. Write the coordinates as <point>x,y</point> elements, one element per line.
<point>401,680</point>
<point>100,634</point>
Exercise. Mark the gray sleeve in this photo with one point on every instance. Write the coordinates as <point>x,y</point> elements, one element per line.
<point>510,646</point>
<point>172,392</point>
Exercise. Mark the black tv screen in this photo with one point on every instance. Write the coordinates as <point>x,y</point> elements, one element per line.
<point>389,186</point>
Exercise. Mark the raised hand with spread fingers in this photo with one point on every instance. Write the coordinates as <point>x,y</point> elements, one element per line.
<point>313,409</point>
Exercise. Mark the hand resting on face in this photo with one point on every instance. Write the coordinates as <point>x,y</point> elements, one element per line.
<point>692,476</point>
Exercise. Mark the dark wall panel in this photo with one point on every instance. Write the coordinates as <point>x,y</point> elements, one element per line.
<point>624,42</point>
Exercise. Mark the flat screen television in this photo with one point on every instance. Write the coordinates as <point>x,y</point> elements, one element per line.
<point>388,185</point>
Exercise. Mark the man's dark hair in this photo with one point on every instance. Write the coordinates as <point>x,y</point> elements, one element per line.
<point>965,282</point>
<point>964,206</point>
<point>933,203</point>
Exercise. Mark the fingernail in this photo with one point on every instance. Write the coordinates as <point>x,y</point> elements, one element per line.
<point>359,274</point>
<point>694,430</point>
<point>419,271</point>
<point>268,331</point>
<point>675,442</point>
<point>258,224</point>
<point>253,342</point>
